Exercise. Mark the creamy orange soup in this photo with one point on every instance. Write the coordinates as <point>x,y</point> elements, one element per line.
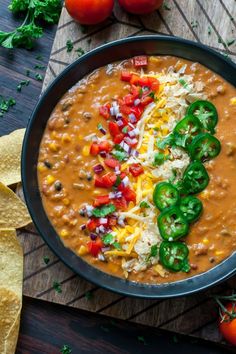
<point>70,170</point>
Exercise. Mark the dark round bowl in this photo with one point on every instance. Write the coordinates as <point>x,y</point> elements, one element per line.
<point>108,53</point>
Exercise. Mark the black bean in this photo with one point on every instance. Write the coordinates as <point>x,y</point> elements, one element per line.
<point>47,164</point>
<point>67,120</point>
<point>66,106</point>
<point>82,212</point>
<point>58,186</point>
<point>89,177</point>
<point>87,116</point>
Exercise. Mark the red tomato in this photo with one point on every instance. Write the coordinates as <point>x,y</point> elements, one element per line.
<point>140,7</point>
<point>106,181</point>
<point>89,12</point>
<point>112,163</point>
<point>105,111</point>
<point>228,327</point>
<point>101,200</point>
<point>120,203</point>
<point>92,224</point>
<point>118,138</point>
<point>136,169</point>
<point>94,247</point>
<point>113,128</point>
<point>125,76</point>
<point>105,146</point>
<point>94,149</point>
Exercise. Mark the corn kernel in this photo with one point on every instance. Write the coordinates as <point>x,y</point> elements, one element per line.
<point>233,101</point>
<point>64,233</point>
<point>66,138</point>
<point>82,250</point>
<point>86,150</point>
<point>50,179</point>
<point>131,205</point>
<point>66,201</point>
<point>129,229</point>
<point>205,241</point>
<point>41,167</point>
<point>96,192</point>
<point>131,222</point>
<point>53,147</point>
<point>165,131</point>
<point>219,253</point>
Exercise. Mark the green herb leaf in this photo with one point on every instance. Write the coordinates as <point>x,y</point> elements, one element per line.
<point>65,349</point>
<point>142,340</point>
<point>166,7</point>
<point>230,42</point>
<point>80,51</point>
<point>104,211</point>
<point>69,46</point>
<point>46,260</point>
<point>117,246</point>
<point>153,252</point>
<point>88,295</point>
<point>39,66</point>
<point>118,181</point>
<point>119,153</point>
<point>57,287</point>
<point>159,159</point>
<point>108,239</point>
<point>209,31</point>
<point>5,104</point>
<point>21,84</point>
<point>125,130</point>
<point>183,83</point>
<point>38,77</point>
<point>168,141</point>
<point>144,204</point>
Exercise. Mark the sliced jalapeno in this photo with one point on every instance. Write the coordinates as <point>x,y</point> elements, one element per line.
<point>174,256</point>
<point>191,208</point>
<point>172,224</point>
<point>165,195</point>
<point>204,147</point>
<point>195,178</point>
<point>206,112</point>
<point>186,129</point>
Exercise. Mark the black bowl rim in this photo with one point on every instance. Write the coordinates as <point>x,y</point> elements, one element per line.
<point>109,282</point>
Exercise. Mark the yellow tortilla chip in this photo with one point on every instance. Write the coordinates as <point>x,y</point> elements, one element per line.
<point>10,307</point>
<point>11,340</point>
<point>10,157</point>
<point>13,212</point>
<point>11,262</point>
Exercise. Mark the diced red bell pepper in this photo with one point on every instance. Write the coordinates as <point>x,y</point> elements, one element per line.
<point>125,76</point>
<point>136,169</point>
<point>140,61</point>
<point>105,111</point>
<point>105,146</point>
<point>129,100</point>
<point>144,81</point>
<point>135,91</point>
<point>94,247</point>
<point>92,224</point>
<point>138,111</point>
<point>118,138</point>
<point>128,193</point>
<point>134,79</point>
<point>120,203</point>
<point>113,128</point>
<point>105,181</point>
<point>112,163</point>
<point>94,149</point>
<point>122,175</point>
<point>101,200</point>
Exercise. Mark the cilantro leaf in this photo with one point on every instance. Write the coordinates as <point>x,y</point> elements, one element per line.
<point>153,252</point>
<point>5,104</point>
<point>69,46</point>
<point>103,211</point>
<point>117,246</point>
<point>119,153</point>
<point>108,239</point>
<point>46,259</point>
<point>57,287</point>
<point>159,159</point>
<point>88,295</point>
<point>144,204</point>
<point>168,141</point>
<point>65,349</point>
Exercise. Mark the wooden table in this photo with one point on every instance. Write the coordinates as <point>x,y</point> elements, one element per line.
<point>45,327</point>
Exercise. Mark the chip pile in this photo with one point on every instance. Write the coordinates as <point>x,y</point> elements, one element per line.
<point>13,215</point>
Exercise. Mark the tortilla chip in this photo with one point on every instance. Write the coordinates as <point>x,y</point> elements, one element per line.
<point>11,340</point>
<point>10,307</point>
<point>10,157</point>
<point>20,194</point>
<point>13,212</point>
<point>11,262</point>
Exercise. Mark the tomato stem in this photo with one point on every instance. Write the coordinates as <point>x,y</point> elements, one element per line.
<point>225,315</point>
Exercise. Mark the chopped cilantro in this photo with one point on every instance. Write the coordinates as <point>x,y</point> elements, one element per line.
<point>144,204</point>
<point>28,72</point>
<point>80,51</point>
<point>65,349</point>
<point>38,77</point>
<point>108,239</point>
<point>180,140</point>
<point>118,181</point>
<point>142,340</point>
<point>153,252</point>
<point>69,46</point>
<point>39,66</point>
<point>168,141</point>
<point>88,295</point>
<point>194,24</point>
<point>103,211</point>
<point>83,28</point>
<point>183,83</point>
<point>159,159</point>
<point>140,92</point>
<point>125,130</point>
<point>166,7</point>
<point>209,31</point>
<point>21,84</point>
<point>57,287</point>
<point>119,153</point>
<point>46,259</point>
<point>230,42</point>
<point>5,104</point>
<point>100,126</point>
<point>39,57</point>
<point>117,246</point>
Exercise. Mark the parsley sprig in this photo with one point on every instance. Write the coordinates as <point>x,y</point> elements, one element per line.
<point>30,30</point>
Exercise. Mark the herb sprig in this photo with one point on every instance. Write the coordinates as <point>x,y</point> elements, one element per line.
<point>30,30</point>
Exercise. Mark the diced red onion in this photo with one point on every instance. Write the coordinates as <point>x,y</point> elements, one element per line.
<point>119,123</point>
<point>125,181</point>
<point>98,168</point>
<point>102,130</point>
<point>121,221</point>
<point>82,227</point>
<point>112,111</point>
<point>132,118</point>
<point>131,125</point>
<point>93,236</point>
<point>105,249</point>
<point>97,230</point>
<point>137,102</point>
<point>103,221</point>
<point>102,229</point>
<point>134,153</point>
<point>119,116</point>
<point>89,209</point>
<point>131,133</point>
<point>103,154</point>
<point>101,257</point>
<point>114,195</point>
<point>125,146</point>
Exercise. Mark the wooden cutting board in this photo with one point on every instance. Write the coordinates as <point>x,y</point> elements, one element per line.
<point>211,22</point>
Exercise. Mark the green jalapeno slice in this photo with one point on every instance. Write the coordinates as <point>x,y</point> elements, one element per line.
<point>206,112</point>
<point>191,208</point>
<point>165,195</point>
<point>195,178</point>
<point>172,224</point>
<point>174,256</point>
<point>186,129</point>
<point>204,147</point>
